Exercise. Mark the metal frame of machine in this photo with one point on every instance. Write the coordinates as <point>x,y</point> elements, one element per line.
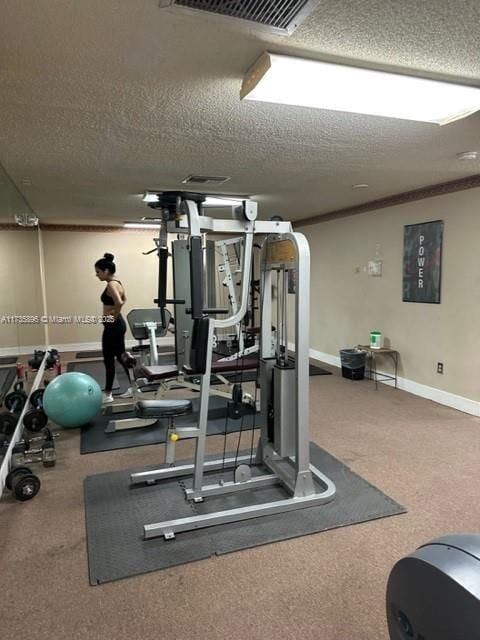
<point>283,448</point>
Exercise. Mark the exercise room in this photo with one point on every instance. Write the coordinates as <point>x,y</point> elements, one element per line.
<point>239,379</point>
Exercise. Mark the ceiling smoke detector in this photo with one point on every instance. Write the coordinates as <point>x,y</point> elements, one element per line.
<point>276,16</point>
<point>205,179</point>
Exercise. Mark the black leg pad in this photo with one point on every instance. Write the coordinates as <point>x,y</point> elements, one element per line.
<point>162,408</point>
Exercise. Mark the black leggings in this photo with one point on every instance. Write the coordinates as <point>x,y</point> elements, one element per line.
<point>113,346</point>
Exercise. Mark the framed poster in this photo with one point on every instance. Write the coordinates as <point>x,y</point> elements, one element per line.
<point>422,261</point>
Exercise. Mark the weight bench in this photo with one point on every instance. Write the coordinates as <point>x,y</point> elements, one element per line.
<point>159,372</point>
<point>169,410</point>
<point>174,376</point>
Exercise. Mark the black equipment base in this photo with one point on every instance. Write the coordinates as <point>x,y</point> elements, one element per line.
<point>116,513</point>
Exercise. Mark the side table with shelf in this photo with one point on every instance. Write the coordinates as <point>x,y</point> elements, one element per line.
<point>372,372</point>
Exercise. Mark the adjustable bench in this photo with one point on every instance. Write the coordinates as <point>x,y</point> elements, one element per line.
<point>173,375</point>
<point>160,372</point>
<point>169,410</point>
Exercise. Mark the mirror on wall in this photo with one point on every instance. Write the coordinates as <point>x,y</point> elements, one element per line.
<point>21,302</point>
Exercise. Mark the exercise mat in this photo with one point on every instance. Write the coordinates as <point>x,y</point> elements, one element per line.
<point>116,513</point>
<point>251,375</point>
<point>96,369</point>
<point>7,377</point>
<point>98,353</point>
<point>94,439</point>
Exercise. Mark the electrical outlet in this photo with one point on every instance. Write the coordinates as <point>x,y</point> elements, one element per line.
<point>439,367</point>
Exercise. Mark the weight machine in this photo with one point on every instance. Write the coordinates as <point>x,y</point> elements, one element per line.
<point>282,453</point>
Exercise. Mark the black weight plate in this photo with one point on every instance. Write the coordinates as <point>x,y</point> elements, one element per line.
<point>26,487</point>
<point>8,422</point>
<point>18,386</point>
<point>34,420</point>
<point>15,401</point>
<point>36,398</point>
<point>25,471</point>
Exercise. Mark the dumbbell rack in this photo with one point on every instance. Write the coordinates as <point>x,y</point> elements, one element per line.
<point>17,434</point>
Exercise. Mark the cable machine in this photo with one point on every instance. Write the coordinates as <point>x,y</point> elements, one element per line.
<point>282,453</point>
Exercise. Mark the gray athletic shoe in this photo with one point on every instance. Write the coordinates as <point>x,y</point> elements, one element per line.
<point>126,394</point>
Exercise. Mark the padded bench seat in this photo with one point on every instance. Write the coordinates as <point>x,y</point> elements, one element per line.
<point>159,372</point>
<point>229,366</point>
<point>254,331</point>
<point>162,408</point>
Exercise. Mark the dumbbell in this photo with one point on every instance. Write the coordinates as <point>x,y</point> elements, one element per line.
<point>36,361</point>
<point>128,360</point>
<point>22,453</point>
<point>48,435</point>
<point>36,419</point>
<point>52,358</point>
<point>23,482</point>
<point>14,402</point>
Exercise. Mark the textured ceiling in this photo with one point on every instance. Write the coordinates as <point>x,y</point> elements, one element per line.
<point>102,99</point>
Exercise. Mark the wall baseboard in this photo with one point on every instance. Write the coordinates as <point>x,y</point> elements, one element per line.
<point>430,393</point>
<point>20,351</point>
<point>73,346</point>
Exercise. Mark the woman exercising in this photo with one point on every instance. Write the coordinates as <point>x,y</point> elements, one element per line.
<point>113,338</point>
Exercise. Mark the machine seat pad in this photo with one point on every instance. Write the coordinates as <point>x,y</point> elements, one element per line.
<point>162,408</point>
<point>159,372</point>
<point>229,366</point>
<point>254,330</point>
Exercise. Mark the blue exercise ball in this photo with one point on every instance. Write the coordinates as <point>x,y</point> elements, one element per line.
<point>72,399</point>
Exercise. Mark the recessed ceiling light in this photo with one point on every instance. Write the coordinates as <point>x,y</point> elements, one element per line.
<point>140,225</point>
<point>468,155</point>
<point>194,179</point>
<point>360,186</point>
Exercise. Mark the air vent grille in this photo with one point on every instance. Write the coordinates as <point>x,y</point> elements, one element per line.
<point>281,16</point>
<point>205,179</point>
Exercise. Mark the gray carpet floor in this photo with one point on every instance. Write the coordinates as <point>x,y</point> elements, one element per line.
<point>325,586</point>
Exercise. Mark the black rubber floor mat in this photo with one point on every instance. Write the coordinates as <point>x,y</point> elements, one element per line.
<point>88,354</point>
<point>251,375</point>
<point>96,369</point>
<point>7,376</point>
<point>98,353</point>
<point>117,512</point>
<point>94,439</point>
<point>318,371</point>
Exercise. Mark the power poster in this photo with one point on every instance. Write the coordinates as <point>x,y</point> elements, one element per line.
<point>422,262</point>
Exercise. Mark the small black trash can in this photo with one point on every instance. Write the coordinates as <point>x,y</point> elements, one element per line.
<point>353,363</point>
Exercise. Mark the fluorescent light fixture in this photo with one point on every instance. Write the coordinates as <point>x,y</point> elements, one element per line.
<point>322,85</point>
<point>140,225</point>
<point>150,196</point>
<point>222,201</point>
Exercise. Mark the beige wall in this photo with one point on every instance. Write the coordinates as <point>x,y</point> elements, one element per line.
<point>20,288</point>
<point>73,289</point>
<point>346,305</point>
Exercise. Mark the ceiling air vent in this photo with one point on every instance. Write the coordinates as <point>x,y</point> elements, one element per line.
<point>205,179</point>
<point>277,16</point>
